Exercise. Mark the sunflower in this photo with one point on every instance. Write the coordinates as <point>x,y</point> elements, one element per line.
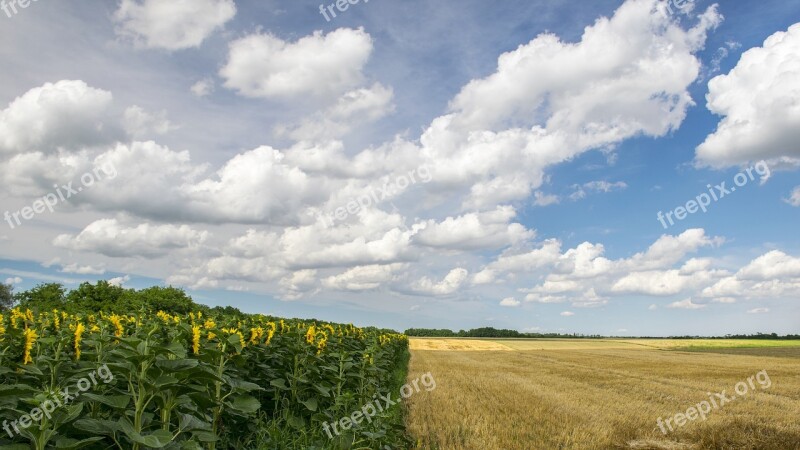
<point>30,340</point>
<point>256,334</point>
<point>270,332</point>
<point>79,329</point>
<point>322,342</point>
<point>117,322</point>
<point>311,334</point>
<point>196,339</point>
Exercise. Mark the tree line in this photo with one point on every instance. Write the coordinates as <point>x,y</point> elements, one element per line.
<point>102,296</point>
<point>489,332</point>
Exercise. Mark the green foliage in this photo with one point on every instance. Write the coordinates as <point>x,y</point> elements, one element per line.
<point>43,297</point>
<point>107,297</point>
<point>196,381</point>
<point>167,299</point>
<point>102,296</point>
<point>6,297</point>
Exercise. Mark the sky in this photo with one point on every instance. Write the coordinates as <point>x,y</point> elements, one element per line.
<point>621,168</point>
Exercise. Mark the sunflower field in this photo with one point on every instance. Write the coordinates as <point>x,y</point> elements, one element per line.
<point>197,381</point>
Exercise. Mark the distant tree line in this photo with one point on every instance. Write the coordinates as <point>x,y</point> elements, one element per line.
<point>104,296</point>
<point>489,332</point>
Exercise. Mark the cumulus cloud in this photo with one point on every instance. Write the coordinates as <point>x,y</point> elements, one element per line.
<point>567,314</point>
<point>111,238</point>
<point>491,229</point>
<point>450,284</point>
<point>66,114</point>
<point>758,101</point>
<point>363,278</point>
<point>510,302</point>
<point>320,65</point>
<point>172,25</point>
<point>685,304</point>
<point>505,129</point>
<point>357,107</point>
<point>119,281</point>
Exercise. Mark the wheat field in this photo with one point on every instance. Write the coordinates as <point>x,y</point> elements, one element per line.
<point>575,394</point>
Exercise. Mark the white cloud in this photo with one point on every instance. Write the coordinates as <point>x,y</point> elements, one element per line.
<point>567,314</point>
<point>111,238</point>
<point>685,304</point>
<point>772,265</point>
<point>119,281</point>
<point>510,302</point>
<point>139,123</point>
<point>355,108</point>
<point>172,25</point>
<point>541,199</point>
<point>589,299</point>
<point>66,114</point>
<point>581,191</point>
<point>263,65</point>
<point>487,230</point>
<point>794,198</point>
<point>82,270</point>
<point>450,284</point>
<point>299,283</point>
<point>363,278</point>
<point>203,88</point>
<point>758,100</point>
<point>13,280</point>
<point>758,311</point>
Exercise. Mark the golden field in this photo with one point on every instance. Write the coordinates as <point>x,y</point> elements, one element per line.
<point>602,394</point>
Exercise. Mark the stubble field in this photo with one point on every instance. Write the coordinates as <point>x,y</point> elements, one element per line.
<point>605,394</point>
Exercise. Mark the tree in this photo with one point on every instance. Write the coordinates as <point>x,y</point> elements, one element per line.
<point>6,296</point>
<point>43,297</point>
<point>168,299</point>
<point>102,296</point>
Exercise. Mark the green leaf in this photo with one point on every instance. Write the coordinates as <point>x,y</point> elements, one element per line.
<point>72,444</point>
<point>279,383</point>
<point>311,404</point>
<point>165,380</point>
<point>114,401</point>
<point>177,365</point>
<point>245,386</point>
<point>158,439</point>
<point>95,426</point>
<point>246,404</point>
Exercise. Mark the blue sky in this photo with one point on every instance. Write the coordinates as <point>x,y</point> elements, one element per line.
<point>543,139</point>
